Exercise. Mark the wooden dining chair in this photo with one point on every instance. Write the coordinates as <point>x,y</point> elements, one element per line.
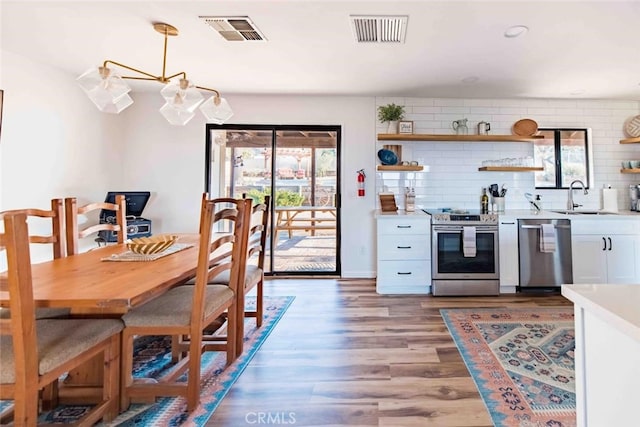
<point>256,248</point>
<point>55,239</point>
<point>254,272</point>
<point>187,310</point>
<point>73,230</point>
<point>35,353</point>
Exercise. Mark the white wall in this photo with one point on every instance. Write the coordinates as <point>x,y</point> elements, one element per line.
<point>169,161</point>
<point>54,142</point>
<point>453,179</point>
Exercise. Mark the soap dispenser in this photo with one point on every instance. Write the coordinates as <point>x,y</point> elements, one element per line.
<point>410,199</point>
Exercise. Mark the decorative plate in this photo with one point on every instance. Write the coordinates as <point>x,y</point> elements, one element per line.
<point>151,245</point>
<point>387,157</point>
<point>525,127</point>
<point>632,127</point>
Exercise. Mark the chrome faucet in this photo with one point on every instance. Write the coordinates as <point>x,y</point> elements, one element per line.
<point>570,205</point>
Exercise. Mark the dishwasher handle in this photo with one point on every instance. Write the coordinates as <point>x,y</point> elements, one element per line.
<point>537,227</point>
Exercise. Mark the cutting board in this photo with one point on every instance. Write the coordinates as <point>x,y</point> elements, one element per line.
<point>388,203</point>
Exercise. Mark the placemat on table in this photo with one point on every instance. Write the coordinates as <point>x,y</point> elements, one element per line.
<point>132,256</point>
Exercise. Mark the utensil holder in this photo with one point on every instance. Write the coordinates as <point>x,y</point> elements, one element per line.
<point>499,202</point>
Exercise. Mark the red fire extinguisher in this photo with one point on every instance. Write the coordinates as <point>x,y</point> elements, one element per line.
<point>361,177</point>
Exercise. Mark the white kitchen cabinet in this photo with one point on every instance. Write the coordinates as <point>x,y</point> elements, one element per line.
<point>508,255</point>
<point>403,253</point>
<point>606,320</point>
<point>605,251</point>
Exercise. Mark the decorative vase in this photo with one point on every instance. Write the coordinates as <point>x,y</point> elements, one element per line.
<point>393,127</point>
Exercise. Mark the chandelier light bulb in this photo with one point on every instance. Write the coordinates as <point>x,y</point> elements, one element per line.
<point>108,91</point>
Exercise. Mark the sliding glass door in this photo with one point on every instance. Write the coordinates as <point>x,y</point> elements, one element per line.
<point>300,166</point>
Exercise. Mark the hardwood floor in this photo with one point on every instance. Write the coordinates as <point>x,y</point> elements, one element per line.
<point>344,355</point>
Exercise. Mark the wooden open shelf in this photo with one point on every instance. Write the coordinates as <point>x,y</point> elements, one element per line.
<point>635,140</point>
<point>510,169</point>
<point>456,138</point>
<point>399,168</point>
<point>630,170</point>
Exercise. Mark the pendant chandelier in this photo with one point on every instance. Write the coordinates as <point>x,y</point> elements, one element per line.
<point>110,93</point>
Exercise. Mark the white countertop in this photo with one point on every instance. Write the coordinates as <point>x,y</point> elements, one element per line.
<point>529,214</point>
<point>400,212</point>
<point>618,305</point>
<point>524,214</point>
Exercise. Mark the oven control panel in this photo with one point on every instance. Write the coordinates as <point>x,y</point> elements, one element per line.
<point>468,219</point>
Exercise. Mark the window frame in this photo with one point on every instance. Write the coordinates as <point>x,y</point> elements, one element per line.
<point>557,140</point>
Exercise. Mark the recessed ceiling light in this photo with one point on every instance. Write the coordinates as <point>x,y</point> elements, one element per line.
<point>470,79</point>
<point>515,31</point>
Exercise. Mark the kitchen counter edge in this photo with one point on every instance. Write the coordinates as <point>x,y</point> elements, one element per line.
<point>617,305</point>
<point>418,213</point>
<point>528,214</point>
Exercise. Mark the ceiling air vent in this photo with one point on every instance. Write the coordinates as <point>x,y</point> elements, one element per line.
<point>234,28</point>
<point>379,29</point>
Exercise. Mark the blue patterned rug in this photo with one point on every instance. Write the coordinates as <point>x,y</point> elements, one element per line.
<point>522,361</point>
<point>153,358</point>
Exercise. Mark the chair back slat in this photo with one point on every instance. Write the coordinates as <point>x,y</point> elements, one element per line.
<point>73,230</point>
<point>56,238</point>
<point>226,249</point>
<point>259,231</point>
<point>15,242</point>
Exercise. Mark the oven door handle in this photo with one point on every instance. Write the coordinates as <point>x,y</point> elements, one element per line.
<point>454,228</point>
<point>537,227</point>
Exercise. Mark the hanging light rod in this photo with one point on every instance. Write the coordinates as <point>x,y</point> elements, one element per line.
<point>106,88</point>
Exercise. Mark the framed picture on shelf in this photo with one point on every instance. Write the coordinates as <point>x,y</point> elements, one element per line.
<point>405,127</point>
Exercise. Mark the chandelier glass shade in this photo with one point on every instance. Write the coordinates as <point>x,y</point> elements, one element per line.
<point>107,89</point>
<point>217,110</point>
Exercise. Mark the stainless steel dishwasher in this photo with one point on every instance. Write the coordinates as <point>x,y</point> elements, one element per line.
<point>540,266</point>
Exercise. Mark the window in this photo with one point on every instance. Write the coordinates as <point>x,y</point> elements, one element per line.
<point>565,154</point>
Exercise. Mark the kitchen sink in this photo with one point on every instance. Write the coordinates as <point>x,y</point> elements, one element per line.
<point>579,212</point>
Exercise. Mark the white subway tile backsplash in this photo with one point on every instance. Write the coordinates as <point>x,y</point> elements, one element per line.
<point>446,102</point>
<point>541,112</point>
<point>484,110</point>
<point>423,109</point>
<point>454,180</point>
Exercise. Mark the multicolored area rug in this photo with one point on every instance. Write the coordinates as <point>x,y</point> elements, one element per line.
<point>153,358</point>
<point>522,361</point>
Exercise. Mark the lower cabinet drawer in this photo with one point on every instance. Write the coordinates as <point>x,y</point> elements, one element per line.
<point>404,247</point>
<point>403,226</point>
<point>414,271</point>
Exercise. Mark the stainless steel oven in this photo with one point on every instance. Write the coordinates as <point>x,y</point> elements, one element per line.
<point>465,254</point>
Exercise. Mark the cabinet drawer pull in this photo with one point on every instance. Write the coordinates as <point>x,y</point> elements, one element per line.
<point>604,242</point>
<point>403,226</point>
<point>609,242</point>
<point>513,223</point>
<point>404,273</point>
<point>404,247</point>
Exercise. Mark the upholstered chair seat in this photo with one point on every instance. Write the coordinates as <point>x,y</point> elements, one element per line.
<point>174,307</point>
<point>59,341</point>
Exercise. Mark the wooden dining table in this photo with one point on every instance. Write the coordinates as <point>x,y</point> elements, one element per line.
<point>91,286</point>
<point>87,284</point>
